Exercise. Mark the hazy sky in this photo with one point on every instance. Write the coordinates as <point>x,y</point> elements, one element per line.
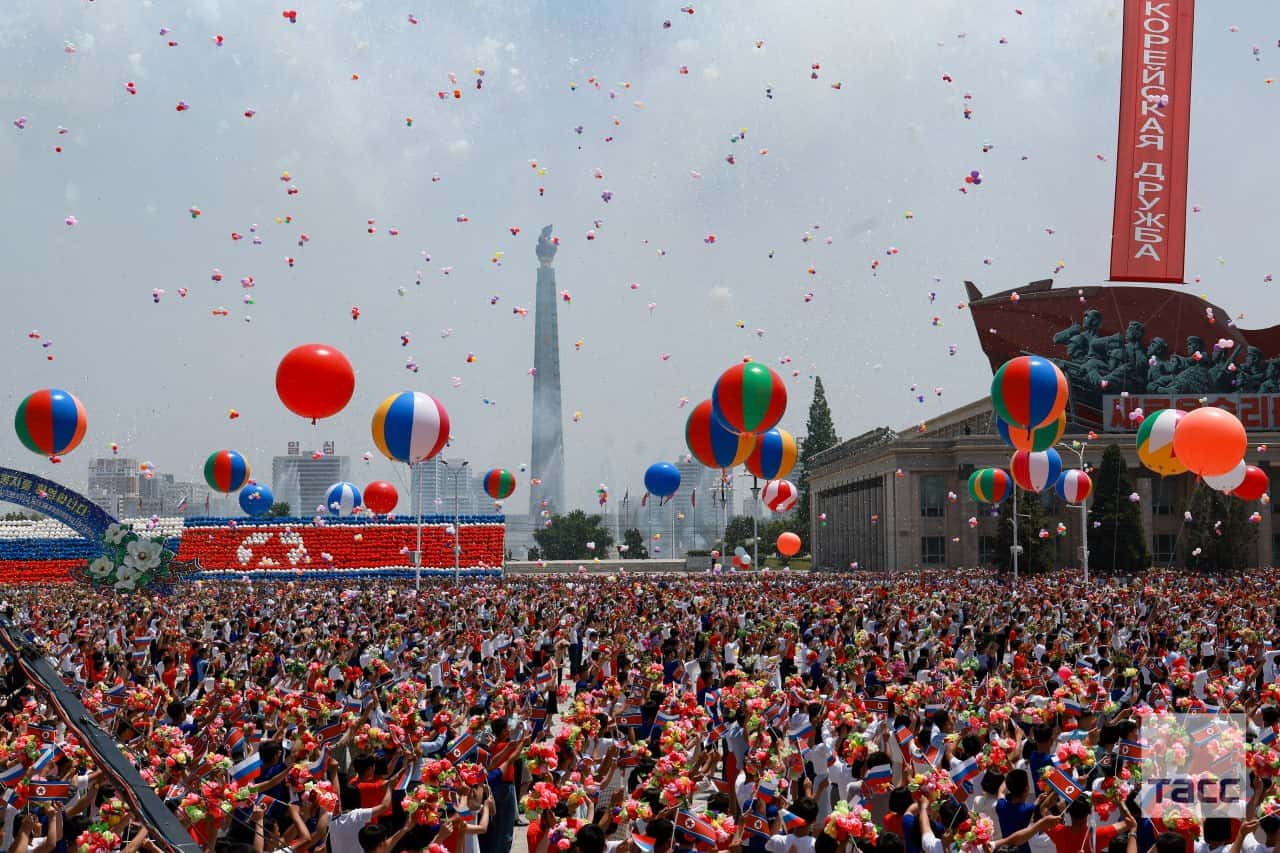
<point>842,164</point>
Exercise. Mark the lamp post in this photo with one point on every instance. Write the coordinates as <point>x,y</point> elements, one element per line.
<point>454,474</point>
<point>1078,448</point>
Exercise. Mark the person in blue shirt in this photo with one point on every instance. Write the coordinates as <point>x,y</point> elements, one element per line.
<point>1016,808</point>
<point>1041,755</point>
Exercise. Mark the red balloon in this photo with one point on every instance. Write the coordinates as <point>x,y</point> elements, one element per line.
<point>315,381</point>
<point>381,497</point>
<point>1255,485</point>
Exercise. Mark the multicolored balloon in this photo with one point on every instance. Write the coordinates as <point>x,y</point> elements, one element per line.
<point>256,499</point>
<point>780,495</point>
<point>226,471</point>
<point>712,443</point>
<point>410,427</point>
<point>1074,486</point>
<point>989,485</point>
<point>1155,442</point>
<point>662,479</point>
<point>380,497</point>
<point>1029,391</point>
<point>749,397</point>
<point>774,455</point>
<point>50,422</point>
<point>342,499</point>
<point>1036,471</point>
<point>1041,438</point>
<point>499,484</point>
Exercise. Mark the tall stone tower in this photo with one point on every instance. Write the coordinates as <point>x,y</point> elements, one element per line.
<point>547,459</point>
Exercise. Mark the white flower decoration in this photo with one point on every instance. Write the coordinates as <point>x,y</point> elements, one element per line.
<point>127,576</point>
<point>144,555</point>
<point>116,533</point>
<point>101,567</point>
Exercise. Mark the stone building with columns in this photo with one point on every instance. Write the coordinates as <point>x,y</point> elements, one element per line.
<point>898,499</point>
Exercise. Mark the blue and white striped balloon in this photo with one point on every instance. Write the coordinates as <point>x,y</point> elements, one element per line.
<point>342,499</point>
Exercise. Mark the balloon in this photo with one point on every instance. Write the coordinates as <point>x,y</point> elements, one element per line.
<point>1041,438</point>
<point>1155,442</point>
<point>315,381</point>
<point>1210,441</point>
<point>1255,485</point>
<point>662,479</point>
<point>499,483</point>
<point>381,497</point>
<point>410,427</point>
<point>780,495</point>
<point>256,499</point>
<point>989,485</point>
<point>226,471</point>
<point>712,443</point>
<point>749,397</point>
<point>774,455</point>
<point>1230,481</point>
<point>788,544</point>
<point>50,422</point>
<point>1029,391</point>
<point>1035,472</point>
<point>1074,486</point>
<point>342,499</point>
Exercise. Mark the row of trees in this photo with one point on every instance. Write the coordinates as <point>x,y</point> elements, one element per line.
<point>1218,536</point>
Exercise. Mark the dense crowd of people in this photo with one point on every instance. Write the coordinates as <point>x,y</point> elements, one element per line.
<point>759,714</point>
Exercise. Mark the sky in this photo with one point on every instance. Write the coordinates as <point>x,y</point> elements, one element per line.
<point>861,165</point>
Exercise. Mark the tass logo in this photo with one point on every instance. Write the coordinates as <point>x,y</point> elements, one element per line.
<point>1191,763</point>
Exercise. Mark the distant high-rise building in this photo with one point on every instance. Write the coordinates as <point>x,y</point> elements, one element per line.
<point>431,488</point>
<point>547,459</point>
<point>303,481</point>
<point>113,482</point>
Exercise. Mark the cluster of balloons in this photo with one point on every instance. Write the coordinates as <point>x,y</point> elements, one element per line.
<point>1029,395</point>
<point>737,425</point>
<point>1209,442</point>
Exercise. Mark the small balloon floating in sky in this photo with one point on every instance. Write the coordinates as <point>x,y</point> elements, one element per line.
<point>71,222</point>
<point>290,15</point>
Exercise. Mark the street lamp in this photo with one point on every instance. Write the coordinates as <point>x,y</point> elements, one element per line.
<point>454,474</point>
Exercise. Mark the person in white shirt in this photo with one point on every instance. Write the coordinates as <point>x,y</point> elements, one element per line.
<point>344,828</point>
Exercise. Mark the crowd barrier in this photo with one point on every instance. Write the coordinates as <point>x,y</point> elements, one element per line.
<point>279,548</point>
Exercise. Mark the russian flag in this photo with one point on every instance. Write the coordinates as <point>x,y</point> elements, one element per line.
<point>248,770</point>
<point>792,821</point>
<point>878,779</point>
<point>937,745</point>
<point>12,776</point>
<point>47,756</point>
<point>965,772</point>
<point>1269,737</point>
<point>801,732</point>
<point>1072,708</point>
<point>543,677</point>
<point>643,843</point>
<point>1062,784</point>
<point>321,764</point>
<point>766,791</point>
<point>699,828</point>
<point>141,646</point>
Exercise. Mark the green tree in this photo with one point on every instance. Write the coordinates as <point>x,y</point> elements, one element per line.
<point>820,435</point>
<point>279,509</point>
<point>739,531</point>
<point>567,536</point>
<point>1037,553</point>
<point>1117,542</point>
<point>1219,530</point>
<point>633,541</point>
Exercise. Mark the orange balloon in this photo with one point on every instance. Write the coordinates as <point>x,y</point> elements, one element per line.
<point>1210,441</point>
<point>788,544</point>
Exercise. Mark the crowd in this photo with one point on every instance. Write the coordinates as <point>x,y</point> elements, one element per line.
<point>788,714</point>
